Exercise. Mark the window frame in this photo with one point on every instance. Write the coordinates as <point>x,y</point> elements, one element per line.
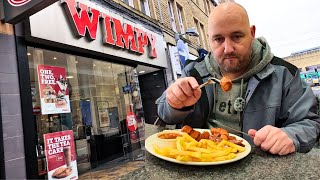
<point>171,16</point>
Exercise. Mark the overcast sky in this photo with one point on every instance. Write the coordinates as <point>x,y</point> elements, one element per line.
<point>288,26</point>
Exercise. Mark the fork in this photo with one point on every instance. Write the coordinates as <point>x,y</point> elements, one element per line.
<point>209,81</point>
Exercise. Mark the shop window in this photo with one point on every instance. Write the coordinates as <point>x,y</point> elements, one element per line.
<point>100,95</point>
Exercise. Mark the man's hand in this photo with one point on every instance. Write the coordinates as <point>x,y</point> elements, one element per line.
<point>183,93</point>
<point>272,139</point>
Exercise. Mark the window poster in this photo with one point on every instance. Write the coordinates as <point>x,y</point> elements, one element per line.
<point>53,88</point>
<point>103,113</point>
<point>61,155</point>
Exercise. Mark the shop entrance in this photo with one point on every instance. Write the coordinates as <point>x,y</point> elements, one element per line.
<point>101,96</point>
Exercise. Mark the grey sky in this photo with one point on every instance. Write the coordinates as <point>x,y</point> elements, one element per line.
<point>288,26</point>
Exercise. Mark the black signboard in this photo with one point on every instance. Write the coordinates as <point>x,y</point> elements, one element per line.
<point>17,10</point>
<point>1,11</point>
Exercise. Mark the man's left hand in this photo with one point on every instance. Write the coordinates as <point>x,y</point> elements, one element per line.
<point>273,140</point>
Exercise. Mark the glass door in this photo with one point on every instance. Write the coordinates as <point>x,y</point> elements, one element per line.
<point>102,96</point>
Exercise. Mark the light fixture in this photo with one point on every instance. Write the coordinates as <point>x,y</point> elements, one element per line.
<point>94,65</point>
<point>190,31</point>
<point>76,62</point>
<point>140,72</point>
<point>54,58</point>
<point>69,77</point>
<point>29,54</point>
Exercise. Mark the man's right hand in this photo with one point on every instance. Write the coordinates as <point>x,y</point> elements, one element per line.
<point>183,93</point>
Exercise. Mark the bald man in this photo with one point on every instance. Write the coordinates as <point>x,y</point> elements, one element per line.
<point>268,99</point>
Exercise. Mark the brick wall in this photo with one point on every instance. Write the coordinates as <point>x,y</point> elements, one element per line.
<point>10,106</point>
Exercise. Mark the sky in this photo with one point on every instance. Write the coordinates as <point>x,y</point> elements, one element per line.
<point>288,26</point>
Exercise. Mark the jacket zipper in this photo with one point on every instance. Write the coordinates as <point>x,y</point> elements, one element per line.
<point>242,112</point>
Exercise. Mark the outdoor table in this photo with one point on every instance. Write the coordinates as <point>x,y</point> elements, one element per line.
<point>257,165</point>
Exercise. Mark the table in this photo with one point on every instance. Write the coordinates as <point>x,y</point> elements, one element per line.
<point>257,165</point>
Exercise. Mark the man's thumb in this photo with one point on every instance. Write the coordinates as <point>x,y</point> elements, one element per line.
<point>252,132</point>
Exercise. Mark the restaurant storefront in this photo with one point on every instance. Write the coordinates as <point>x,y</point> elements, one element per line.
<point>84,109</point>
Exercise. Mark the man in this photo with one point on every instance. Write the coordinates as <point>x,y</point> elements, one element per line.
<point>268,99</point>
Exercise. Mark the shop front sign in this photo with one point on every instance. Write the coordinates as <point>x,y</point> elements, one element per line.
<point>84,21</point>
<point>17,10</point>
<point>53,88</point>
<point>88,26</point>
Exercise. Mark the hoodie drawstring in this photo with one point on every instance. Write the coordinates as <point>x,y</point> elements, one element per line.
<point>239,102</point>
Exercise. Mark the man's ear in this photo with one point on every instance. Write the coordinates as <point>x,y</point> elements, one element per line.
<point>253,31</point>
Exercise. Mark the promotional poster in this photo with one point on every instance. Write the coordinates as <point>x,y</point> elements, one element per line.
<point>61,155</point>
<point>53,88</point>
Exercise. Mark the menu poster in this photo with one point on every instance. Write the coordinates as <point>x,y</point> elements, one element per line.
<point>53,88</point>
<point>61,155</point>
<point>103,114</point>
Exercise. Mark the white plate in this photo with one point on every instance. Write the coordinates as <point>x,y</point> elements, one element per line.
<point>153,140</point>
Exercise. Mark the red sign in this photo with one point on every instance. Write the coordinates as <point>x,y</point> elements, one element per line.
<point>61,155</point>
<point>18,2</point>
<point>53,89</point>
<point>36,110</point>
<point>125,35</point>
<point>18,10</point>
<point>132,121</point>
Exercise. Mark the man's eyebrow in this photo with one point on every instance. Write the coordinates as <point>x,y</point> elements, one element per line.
<point>238,32</point>
<point>216,35</point>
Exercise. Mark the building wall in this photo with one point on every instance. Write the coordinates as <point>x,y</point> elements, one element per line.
<point>191,10</point>
<point>305,59</point>
<point>11,106</point>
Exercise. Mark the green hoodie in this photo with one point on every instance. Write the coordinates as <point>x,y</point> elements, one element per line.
<point>223,109</point>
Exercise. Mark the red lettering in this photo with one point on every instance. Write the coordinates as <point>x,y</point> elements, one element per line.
<point>142,40</point>
<point>107,29</point>
<point>127,36</point>
<point>82,23</point>
<point>153,52</point>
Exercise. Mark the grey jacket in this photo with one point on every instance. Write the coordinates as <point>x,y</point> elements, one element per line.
<point>275,96</point>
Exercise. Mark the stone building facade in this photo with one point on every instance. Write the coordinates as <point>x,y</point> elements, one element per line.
<point>306,58</point>
<point>174,17</point>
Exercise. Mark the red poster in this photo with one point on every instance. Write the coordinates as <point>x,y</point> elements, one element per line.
<point>61,155</point>
<point>53,88</point>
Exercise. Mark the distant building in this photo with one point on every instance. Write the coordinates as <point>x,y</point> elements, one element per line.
<point>308,59</point>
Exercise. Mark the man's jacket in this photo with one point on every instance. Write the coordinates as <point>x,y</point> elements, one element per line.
<point>275,96</point>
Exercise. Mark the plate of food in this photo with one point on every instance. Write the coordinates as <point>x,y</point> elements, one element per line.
<point>198,147</point>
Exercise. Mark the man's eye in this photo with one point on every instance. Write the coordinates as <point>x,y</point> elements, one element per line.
<point>236,37</point>
<point>219,40</point>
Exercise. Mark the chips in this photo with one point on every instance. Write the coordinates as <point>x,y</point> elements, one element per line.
<point>189,150</point>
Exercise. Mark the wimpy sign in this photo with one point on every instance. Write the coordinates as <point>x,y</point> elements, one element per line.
<point>46,77</point>
<point>55,145</point>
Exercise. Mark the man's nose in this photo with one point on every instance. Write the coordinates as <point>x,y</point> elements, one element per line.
<point>228,46</point>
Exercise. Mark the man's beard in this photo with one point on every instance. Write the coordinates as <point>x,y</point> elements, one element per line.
<point>242,64</point>
<point>227,67</point>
